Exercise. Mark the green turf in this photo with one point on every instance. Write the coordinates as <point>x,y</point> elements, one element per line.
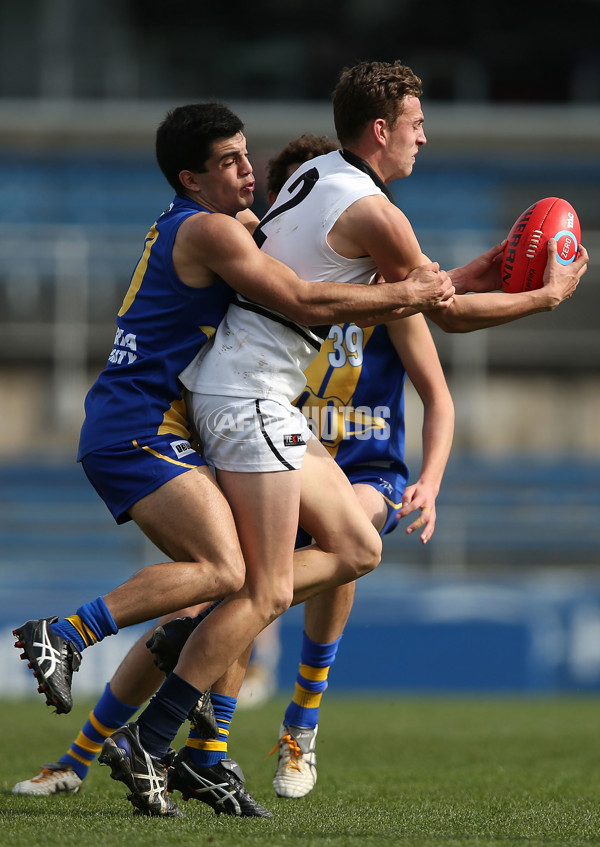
<point>391,770</point>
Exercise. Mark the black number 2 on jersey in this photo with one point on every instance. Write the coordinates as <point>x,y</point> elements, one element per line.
<point>307,182</point>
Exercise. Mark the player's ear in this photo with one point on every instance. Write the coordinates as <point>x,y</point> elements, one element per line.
<point>380,131</point>
<point>189,180</point>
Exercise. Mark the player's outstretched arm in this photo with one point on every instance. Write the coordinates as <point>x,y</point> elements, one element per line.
<point>416,282</point>
<point>218,243</point>
<point>469,312</point>
<point>480,274</point>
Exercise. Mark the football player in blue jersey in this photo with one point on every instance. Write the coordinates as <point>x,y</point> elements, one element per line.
<point>390,143</point>
<point>374,373</point>
<point>378,488</point>
<point>135,445</point>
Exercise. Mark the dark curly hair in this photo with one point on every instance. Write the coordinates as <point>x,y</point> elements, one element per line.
<point>295,153</point>
<point>368,91</point>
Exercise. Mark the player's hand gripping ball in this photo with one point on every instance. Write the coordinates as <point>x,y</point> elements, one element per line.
<point>526,251</point>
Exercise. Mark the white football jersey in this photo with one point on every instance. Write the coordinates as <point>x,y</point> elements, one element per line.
<point>258,353</point>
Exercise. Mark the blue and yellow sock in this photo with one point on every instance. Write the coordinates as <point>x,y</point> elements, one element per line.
<point>166,712</point>
<point>91,623</point>
<point>107,715</point>
<point>208,751</point>
<point>311,682</point>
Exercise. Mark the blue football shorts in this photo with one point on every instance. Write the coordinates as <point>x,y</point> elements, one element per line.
<point>390,482</point>
<point>124,473</point>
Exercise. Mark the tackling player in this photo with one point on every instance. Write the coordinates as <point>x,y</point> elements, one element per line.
<point>336,214</point>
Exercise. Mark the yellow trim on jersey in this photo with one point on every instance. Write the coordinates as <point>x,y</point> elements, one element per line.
<point>314,674</point>
<point>175,420</point>
<point>356,416</point>
<point>335,387</point>
<point>138,274</point>
<point>161,456</point>
<point>208,331</point>
<point>342,382</point>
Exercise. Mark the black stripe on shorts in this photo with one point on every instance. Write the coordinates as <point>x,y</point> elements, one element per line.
<point>268,440</point>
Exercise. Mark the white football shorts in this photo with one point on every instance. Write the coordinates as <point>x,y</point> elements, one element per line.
<point>249,436</point>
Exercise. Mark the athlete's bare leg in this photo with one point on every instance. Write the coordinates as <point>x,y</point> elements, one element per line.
<point>326,614</point>
<point>346,545</point>
<point>189,519</point>
<point>266,510</point>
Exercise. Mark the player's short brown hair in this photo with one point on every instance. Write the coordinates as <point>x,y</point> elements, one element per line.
<point>368,91</point>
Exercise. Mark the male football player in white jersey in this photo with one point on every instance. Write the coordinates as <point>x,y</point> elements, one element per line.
<point>480,274</point>
<point>362,369</point>
<point>134,444</point>
<point>333,213</point>
<point>137,677</point>
<point>376,367</point>
<point>336,214</point>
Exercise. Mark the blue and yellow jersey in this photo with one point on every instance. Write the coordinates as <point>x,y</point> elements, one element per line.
<point>354,397</point>
<point>160,327</point>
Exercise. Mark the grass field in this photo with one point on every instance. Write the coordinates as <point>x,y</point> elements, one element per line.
<point>392,770</point>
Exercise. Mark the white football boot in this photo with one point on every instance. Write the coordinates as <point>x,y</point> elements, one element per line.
<point>297,765</point>
<point>55,778</point>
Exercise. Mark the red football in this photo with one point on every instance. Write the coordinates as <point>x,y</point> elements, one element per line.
<point>526,251</point>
